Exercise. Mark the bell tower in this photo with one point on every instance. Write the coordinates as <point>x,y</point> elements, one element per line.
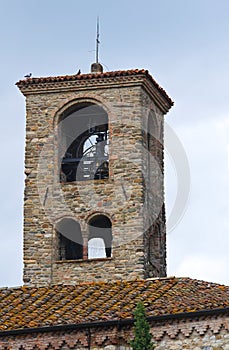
<point>94,193</point>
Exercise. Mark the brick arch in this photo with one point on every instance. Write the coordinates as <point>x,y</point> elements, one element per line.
<point>67,216</point>
<point>94,213</point>
<point>60,217</point>
<point>90,215</point>
<point>81,98</point>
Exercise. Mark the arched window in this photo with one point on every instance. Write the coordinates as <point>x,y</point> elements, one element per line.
<point>100,237</point>
<point>70,242</point>
<point>84,143</point>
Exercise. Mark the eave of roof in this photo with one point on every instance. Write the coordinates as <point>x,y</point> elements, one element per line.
<point>79,80</point>
<point>100,302</point>
<point>120,322</point>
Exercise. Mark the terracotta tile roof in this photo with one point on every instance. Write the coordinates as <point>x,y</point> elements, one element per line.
<point>93,76</point>
<point>30,307</point>
<point>119,73</point>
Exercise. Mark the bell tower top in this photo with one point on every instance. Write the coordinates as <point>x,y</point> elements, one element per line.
<point>94,194</point>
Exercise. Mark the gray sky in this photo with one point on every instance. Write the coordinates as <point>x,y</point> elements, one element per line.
<point>184,45</point>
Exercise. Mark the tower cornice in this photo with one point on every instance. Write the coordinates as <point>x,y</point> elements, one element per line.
<point>121,78</point>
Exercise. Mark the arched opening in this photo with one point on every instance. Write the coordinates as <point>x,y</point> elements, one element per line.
<point>83,143</point>
<point>100,237</point>
<point>70,241</point>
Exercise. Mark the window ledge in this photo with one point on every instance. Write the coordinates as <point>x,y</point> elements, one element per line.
<point>79,261</point>
<point>99,181</point>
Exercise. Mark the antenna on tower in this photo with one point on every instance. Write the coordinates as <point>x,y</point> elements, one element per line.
<point>97,67</point>
<point>97,42</point>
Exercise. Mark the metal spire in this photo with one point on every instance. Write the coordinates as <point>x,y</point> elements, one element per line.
<point>97,67</point>
<point>97,42</point>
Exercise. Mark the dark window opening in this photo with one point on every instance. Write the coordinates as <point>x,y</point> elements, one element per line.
<point>84,144</point>
<point>154,247</point>
<point>70,242</point>
<point>155,141</point>
<point>100,237</point>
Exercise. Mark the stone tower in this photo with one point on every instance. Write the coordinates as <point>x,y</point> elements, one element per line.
<point>94,193</point>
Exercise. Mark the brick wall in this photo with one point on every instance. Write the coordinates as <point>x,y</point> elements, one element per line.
<point>206,333</point>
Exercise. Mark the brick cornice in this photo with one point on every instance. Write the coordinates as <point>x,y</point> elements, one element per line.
<point>109,80</point>
<point>101,336</point>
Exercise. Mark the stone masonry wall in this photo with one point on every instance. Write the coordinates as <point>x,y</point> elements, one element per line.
<point>122,197</point>
<point>153,170</point>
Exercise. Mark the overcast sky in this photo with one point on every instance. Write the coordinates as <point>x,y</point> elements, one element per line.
<point>184,45</point>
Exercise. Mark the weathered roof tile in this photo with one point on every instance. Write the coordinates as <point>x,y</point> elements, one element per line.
<point>29,82</point>
<point>25,307</point>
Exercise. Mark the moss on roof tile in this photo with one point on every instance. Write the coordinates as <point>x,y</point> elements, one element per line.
<point>101,301</point>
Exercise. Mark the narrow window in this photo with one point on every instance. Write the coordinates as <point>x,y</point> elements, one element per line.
<point>151,146</point>
<point>154,142</point>
<point>100,237</point>
<point>84,143</point>
<point>154,242</point>
<point>70,242</point>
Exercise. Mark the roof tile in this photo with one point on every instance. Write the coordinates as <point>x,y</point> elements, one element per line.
<point>92,76</point>
<point>25,307</point>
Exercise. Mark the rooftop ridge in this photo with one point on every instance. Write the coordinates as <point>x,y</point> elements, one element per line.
<point>34,80</point>
<point>116,282</point>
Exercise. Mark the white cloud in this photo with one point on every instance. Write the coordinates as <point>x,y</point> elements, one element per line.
<point>204,268</point>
